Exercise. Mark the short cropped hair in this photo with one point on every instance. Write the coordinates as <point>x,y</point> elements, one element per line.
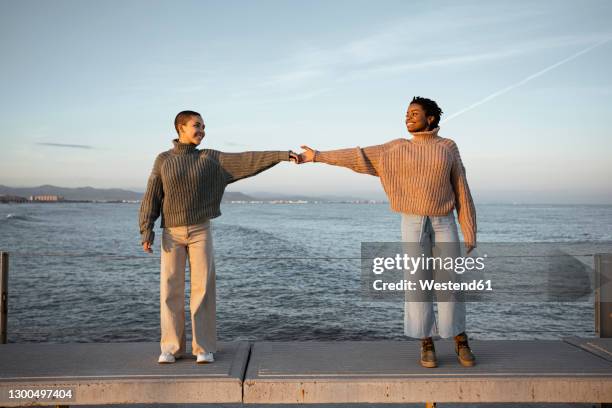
<point>183,117</point>
<point>431,108</point>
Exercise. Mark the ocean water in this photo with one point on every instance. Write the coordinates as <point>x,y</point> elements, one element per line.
<point>284,272</point>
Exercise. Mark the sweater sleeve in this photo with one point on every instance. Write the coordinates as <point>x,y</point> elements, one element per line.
<point>150,207</point>
<point>362,160</point>
<point>237,166</point>
<point>466,210</point>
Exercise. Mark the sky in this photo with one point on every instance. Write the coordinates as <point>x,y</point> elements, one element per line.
<point>90,89</point>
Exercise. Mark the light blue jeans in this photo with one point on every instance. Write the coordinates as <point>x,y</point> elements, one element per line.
<point>432,236</point>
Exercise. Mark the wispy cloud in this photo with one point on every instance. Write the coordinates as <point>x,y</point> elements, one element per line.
<point>291,77</point>
<point>399,47</point>
<point>406,38</point>
<point>235,144</point>
<point>296,96</point>
<point>71,146</point>
<point>448,61</point>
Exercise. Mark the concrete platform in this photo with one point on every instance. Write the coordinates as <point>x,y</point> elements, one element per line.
<point>380,372</point>
<point>119,373</point>
<point>388,372</point>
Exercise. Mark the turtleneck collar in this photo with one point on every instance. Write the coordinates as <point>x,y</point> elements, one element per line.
<point>425,137</point>
<point>183,148</point>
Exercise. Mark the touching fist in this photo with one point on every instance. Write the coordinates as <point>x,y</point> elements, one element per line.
<point>307,155</point>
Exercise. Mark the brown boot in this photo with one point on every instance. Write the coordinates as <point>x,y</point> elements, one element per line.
<point>428,353</point>
<point>464,353</point>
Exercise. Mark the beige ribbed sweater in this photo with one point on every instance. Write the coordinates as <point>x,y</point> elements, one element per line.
<point>423,175</point>
<point>186,184</point>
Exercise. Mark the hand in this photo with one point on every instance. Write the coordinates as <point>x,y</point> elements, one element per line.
<point>146,246</point>
<point>293,157</point>
<point>307,155</point>
<point>469,248</point>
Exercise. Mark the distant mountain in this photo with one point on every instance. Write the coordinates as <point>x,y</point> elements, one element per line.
<point>95,194</point>
<point>117,194</point>
<point>264,196</point>
<point>236,196</point>
<point>79,193</point>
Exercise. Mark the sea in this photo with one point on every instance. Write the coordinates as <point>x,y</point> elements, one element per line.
<point>77,272</point>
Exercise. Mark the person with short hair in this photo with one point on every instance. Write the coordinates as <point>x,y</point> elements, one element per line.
<point>185,187</point>
<point>425,180</point>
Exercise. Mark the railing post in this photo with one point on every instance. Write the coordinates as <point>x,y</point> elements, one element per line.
<point>4,267</point>
<point>603,295</point>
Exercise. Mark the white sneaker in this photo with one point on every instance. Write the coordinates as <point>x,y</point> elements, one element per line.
<point>205,358</point>
<point>166,358</point>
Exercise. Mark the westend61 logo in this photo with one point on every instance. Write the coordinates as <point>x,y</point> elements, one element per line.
<point>445,270</point>
<point>497,272</point>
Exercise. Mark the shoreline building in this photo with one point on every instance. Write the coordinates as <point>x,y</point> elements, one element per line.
<point>47,198</point>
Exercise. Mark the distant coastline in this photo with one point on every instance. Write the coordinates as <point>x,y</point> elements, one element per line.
<point>49,194</point>
<point>23,200</point>
<point>22,195</point>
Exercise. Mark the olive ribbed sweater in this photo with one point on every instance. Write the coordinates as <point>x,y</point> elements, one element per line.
<point>423,175</point>
<point>186,185</point>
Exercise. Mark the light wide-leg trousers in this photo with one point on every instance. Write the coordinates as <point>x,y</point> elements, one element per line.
<point>193,242</point>
<point>432,236</point>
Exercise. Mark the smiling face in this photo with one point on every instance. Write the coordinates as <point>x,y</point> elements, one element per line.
<point>192,131</point>
<point>416,119</point>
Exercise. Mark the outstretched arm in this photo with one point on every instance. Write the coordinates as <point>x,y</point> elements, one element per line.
<point>362,160</point>
<point>246,164</point>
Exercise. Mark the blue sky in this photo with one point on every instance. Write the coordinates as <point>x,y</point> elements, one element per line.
<point>90,89</point>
